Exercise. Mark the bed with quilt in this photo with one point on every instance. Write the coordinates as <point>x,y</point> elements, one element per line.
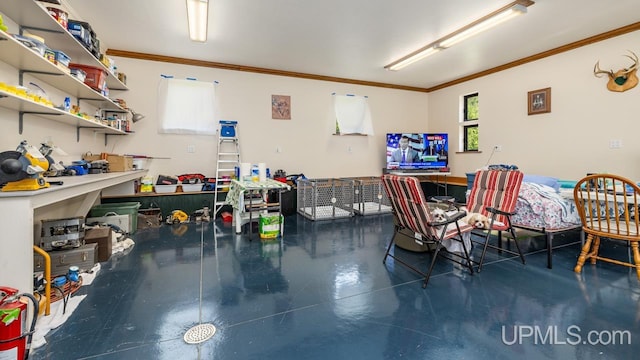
<point>546,208</point>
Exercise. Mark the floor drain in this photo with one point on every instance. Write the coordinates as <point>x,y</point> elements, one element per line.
<point>199,333</point>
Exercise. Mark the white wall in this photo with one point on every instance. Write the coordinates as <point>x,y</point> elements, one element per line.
<point>306,141</point>
<point>570,141</point>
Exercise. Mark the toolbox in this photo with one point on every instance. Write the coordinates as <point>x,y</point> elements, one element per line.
<point>149,218</point>
<point>84,257</point>
<point>62,233</point>
<point>102,237</point>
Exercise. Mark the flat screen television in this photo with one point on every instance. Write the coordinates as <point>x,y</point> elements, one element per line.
<point>418,151</point>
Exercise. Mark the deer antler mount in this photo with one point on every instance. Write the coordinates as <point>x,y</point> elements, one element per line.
<point>621,80</point>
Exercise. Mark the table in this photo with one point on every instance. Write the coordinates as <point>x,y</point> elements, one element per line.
<point>22,211</point>
<point>236,198</point>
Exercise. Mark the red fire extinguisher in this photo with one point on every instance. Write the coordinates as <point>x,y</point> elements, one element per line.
<point>15,338</point>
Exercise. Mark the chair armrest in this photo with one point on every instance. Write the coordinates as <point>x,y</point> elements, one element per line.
<point>499,212</point>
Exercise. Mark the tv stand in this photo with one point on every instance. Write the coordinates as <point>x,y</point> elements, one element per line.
<point>432,176</point>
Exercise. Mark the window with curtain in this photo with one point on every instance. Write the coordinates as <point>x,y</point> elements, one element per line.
<point>186,107</point>
<point>352,115</point>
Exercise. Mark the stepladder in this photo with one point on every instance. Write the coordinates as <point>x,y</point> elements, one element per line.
<point>228,162</point>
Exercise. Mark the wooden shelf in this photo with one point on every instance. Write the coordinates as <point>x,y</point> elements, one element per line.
<point>153,194</point>
<point>33,17</point>
<point>26,60</point>
<point>27,106</point>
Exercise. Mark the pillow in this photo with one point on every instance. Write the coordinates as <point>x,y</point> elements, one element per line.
<point>543,180</point>
<point>567,184</point>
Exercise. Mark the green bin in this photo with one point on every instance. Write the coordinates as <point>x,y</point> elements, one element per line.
<point>123,208</point>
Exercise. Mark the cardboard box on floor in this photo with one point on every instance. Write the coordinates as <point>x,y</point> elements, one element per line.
<point>117,163</point>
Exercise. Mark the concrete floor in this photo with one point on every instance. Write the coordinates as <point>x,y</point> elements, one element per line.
<point>322,292</point>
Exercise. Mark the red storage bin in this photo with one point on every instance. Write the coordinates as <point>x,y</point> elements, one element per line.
<point>96,77</point>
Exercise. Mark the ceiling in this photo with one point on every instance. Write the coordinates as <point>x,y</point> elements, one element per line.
<point>352,39</point>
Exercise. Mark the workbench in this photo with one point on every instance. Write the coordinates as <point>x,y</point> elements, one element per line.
<point>21,213</point>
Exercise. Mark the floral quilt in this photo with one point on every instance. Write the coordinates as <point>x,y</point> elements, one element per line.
<point>540,206</point>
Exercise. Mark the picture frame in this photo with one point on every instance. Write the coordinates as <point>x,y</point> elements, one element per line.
<point>281,107</point>
<point>539,101</point>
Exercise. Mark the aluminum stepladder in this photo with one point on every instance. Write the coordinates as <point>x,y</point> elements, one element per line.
<point>228,159</point>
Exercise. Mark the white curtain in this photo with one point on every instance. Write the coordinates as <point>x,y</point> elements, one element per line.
<point>186,107</point>
<point>353,114</point>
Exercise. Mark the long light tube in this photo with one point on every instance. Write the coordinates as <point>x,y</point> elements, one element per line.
<point>198,16</point>
<point>419,55</point>
<point>499,16</point>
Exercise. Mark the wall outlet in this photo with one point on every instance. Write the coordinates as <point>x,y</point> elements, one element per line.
<point>497,148</point>
<point>615,144</point>
<point>191,149</point>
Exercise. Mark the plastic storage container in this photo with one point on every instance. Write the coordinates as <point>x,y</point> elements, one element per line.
<point>165,189</point>
<point>96,77</point>
<point>191,187</point>
<point>124,208</point>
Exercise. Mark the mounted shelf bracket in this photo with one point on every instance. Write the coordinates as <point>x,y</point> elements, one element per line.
<point>106,137</point>
<point>84,127</point>
<point>25,27</point>
<point>21,116</point>
<point>22,72</point>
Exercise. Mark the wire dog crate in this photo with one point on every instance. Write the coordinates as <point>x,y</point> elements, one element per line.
<point>324,199</point>
<point>369,196</point>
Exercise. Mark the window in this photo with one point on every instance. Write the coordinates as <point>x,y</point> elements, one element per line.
<point>186,106</point>
<point>469,123</point>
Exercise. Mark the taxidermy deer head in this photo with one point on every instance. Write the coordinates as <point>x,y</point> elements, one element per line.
<point>621,80</point>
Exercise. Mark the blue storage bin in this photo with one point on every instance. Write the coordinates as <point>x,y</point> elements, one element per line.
<point>62,58</point>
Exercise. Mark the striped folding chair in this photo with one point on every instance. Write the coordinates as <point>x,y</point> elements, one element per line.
<point>494,194</point>
<point>412,212</point>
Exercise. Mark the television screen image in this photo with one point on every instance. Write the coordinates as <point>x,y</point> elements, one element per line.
<point>418,151</point>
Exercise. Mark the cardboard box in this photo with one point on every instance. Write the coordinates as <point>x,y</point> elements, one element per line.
<point>120,163</point>
<point>102,237</point>
<point>117,163</point>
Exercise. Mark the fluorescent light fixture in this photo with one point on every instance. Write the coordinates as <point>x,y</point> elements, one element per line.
<point>499,16</point>
<point>411,58</point>
<point>197,16</point>
<point>484,24</point>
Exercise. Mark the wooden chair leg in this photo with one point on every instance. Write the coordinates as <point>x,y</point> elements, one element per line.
<point>594,250</point>
<point>583,254</point>
<point>636,257</point>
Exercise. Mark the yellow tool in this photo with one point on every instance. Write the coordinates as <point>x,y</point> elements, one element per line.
<point>23,169</point>
<point>177,217</point>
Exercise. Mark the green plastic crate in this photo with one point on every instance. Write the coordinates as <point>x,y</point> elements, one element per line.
<point>124,208</point>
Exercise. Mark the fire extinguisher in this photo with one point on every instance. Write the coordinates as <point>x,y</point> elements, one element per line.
<point>15,340</point>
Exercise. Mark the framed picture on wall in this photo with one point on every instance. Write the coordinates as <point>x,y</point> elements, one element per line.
<point>281,107</point>
<point>539,101</point>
